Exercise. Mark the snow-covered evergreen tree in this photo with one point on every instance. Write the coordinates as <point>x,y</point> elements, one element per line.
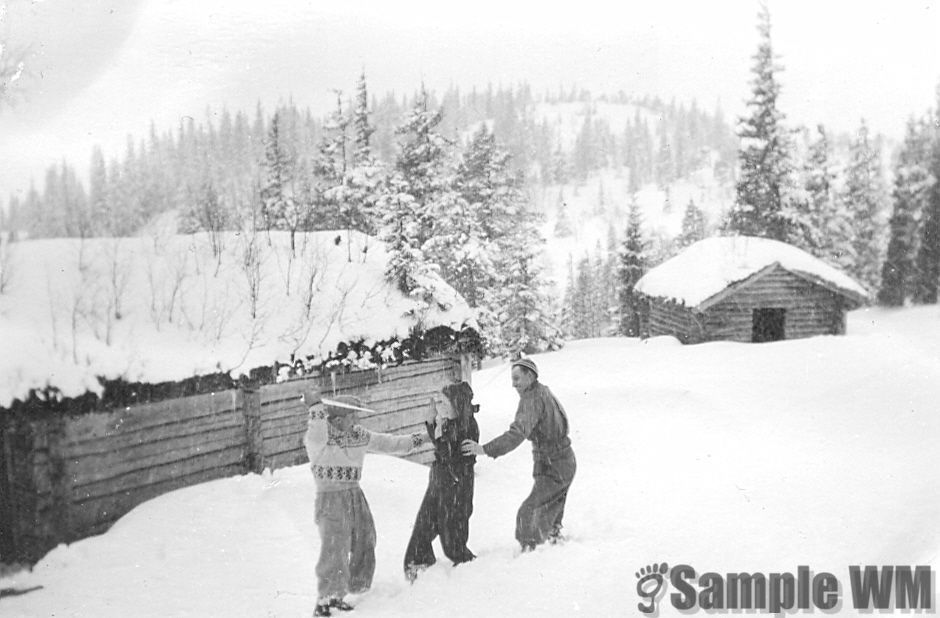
<point>928,255</point>
<point>827,229</point>
<point>693,225</point>
<point>912,182</point>
<point>98,192</point>
<point>277,193</point>
<point>584,314</point>
<point>528,321</point>
<point>362,126</point>
<point>762,204</point>
<point>865,198</point>
<point>358,193</point>
<point>633,264</point>
<point>413,198</point>
<point>400,227</point>
<point>477,223</point>
<point>330,167</point>
<point>421,163</point>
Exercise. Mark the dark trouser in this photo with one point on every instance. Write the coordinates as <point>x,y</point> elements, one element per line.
<point>541,514</point>
<point>445,511</point>
<point>347,543</point>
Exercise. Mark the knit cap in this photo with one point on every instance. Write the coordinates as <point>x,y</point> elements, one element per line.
<point>528,364</point>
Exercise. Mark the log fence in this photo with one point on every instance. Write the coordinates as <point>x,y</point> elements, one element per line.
<point>63,478</point>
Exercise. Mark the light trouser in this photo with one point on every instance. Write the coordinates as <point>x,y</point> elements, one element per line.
<point>347,543</point>
<point>541,513</point>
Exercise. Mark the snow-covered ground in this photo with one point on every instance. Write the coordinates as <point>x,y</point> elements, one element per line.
<point>727,457</point>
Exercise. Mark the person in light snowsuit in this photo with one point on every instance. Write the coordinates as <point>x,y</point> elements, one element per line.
<point>448,500</point>
<point>541,419</point>
<point>336,446</point>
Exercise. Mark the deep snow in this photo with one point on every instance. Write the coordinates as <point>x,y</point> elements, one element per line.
<point>187,309</point>
<point>727,457</point>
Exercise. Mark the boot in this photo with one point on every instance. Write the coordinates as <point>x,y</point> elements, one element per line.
<point>341,605</point>
<point>322,609</point>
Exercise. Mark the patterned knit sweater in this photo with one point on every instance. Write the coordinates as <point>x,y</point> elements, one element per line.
<point>336,456</point>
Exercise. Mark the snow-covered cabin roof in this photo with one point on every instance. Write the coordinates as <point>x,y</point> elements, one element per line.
<point>165,307</point>
<point>699,274</point>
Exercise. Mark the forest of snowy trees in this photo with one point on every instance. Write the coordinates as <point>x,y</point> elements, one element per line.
<point>448,183</point>
<point>827,194</point>
<point>444,182</point>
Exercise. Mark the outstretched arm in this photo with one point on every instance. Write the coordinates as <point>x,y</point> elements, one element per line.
<point>392,444</point>
<point>527,416</point>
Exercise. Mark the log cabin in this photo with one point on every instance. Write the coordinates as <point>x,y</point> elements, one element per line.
<point>745,289</point>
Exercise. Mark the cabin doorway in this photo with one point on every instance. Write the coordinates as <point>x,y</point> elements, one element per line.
<point>768,325</point>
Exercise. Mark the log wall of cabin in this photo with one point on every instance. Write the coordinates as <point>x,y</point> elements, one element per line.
<point>810,309</point>
<point>667,318</point>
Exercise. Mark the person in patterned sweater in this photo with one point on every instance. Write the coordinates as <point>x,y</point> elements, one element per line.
<point>336,446</point>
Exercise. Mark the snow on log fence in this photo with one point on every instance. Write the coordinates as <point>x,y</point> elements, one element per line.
<point>65,477</point>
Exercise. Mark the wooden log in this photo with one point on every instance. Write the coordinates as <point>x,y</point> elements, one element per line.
<point>284,426</point>
<point>97,467</point>
<point>220,455</point>
<point>148,416</point>
<point>278,444</point>
<point>100,511</point>
<point>413,392</point>
<point>275,414</point>
<point>286,459</point>
<point>102,446</point>
<point>287,391</point>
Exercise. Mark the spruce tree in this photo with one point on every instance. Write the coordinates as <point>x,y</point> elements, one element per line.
<point>693,226</point>
<point>583,311</point>
<point>361,187</point>
<point>413,198</point>
<point>865,196</point>
<point>633,264</point>
<point>330,165</point>
<point>477,225</point>
<point>912,183</point>
<point>825,232</point>
<point>362,127</point>
<point>98,192</point>
<point>277,188</point>
<point>406,266</point>
<point>762,206</point>
<point>928,255</point>
<point>421,161</point>
<point>528,322</point>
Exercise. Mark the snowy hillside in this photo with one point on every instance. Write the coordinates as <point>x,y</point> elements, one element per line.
<point>703,455</point>
<point>598,204</point>
<point>163,307</point>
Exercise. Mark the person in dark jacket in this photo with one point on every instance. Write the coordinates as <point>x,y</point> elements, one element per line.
<point>448,501</point>
<point>540,418</point>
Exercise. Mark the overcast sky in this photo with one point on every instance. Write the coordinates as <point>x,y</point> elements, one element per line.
<point>102,69</point>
